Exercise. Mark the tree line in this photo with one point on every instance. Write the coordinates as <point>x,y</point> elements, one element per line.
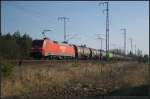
<point>138,56</point>
<point>15,46</point>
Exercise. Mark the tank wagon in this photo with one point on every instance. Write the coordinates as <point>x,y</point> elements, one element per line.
<point>48,49</point>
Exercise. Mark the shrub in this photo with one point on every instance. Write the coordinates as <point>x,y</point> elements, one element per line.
<point>6,69</point>
<point>75,64</point>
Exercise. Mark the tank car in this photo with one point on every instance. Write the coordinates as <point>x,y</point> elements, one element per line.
<point>95,54</point>
<point>49,49</point>
<point>83,52</point>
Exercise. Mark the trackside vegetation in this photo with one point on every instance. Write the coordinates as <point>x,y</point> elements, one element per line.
<point>13,46</point>
<point>17,45</point>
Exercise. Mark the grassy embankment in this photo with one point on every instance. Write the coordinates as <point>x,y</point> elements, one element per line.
<point>73,79</point>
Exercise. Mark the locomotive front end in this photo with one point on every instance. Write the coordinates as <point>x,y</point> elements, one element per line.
<point>36,50</point>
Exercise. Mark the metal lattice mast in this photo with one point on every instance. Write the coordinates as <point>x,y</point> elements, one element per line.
<point>131,41</point>
<point>101,42</point>
<point>64,19</point>
<point>101,39</point>
<point>107,24</point>
<point>135,48</point>
<point>124,40</point>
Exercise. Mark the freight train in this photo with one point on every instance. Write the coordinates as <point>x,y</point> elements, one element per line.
<point>48,49</point>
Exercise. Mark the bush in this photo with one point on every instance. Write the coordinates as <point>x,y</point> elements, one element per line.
<point>6,69</point>
<point>146,59</point>
<point>17,43</point>
<point>75,65</point>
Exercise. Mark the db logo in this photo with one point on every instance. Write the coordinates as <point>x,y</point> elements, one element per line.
<point>62,48</point>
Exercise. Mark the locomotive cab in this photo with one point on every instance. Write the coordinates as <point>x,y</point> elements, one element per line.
<point>36,50</point>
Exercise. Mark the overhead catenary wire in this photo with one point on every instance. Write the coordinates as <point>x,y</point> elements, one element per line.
<point>32,13</point>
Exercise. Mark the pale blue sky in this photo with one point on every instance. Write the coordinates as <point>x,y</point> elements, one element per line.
<point>86,20</point>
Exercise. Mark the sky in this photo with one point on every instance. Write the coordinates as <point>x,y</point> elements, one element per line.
<point>86,19</point>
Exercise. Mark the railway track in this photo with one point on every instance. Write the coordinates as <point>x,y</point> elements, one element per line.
<point>32,62</point>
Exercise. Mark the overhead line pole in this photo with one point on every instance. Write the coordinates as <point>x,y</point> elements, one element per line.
<point>64,19</point>
<point>101,41</point>
<point>124,40</point>
<point>135,48</point>
<point>100,38</point>
<point>131,40</point>
<point>107,25</point>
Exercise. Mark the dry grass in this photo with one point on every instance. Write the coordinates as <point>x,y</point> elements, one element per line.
<point>73,79</point>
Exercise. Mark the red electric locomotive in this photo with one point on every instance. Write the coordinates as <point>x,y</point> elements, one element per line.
<point>47,48</point>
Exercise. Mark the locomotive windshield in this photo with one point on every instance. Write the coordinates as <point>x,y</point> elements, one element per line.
<point>37,43</point>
